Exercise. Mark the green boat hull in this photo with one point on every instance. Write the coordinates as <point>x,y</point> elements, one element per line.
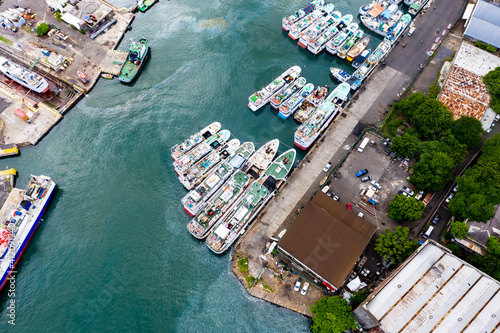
<point>131,69</point>
<point>145,5</point>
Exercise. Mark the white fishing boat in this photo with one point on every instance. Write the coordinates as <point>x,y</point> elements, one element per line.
<point>364,10</point>
<point>289,107</point>
<point>261,97</point>
<point>311,103</point>
<point>215,142</point>
<point>308,20</point>
<point>261,159</point>
<point>309,131</point>
<point>319,43</point>
<point>317,28</point>
<point>409,2</point>
<point>356,37</point>
<point>197,198</point>
<point>287,21</point>
<point>336,43</point>
<point>398,29</point>
<point>339,74</point>
<point>180,149</point>
<point>417,6</point>
<point>233,224</point>
<point>284,93</point>
<point>196,173</point>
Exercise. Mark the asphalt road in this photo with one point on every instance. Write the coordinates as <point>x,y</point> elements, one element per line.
<point>411,51</point>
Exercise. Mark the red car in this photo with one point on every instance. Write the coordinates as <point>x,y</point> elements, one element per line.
<point>348,205</point>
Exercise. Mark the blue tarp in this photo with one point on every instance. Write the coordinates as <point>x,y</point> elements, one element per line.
<point>386,14</point>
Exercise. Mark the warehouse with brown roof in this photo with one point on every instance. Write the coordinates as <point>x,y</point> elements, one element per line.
<point>325,241</point>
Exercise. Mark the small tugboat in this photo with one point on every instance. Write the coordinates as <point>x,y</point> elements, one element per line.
<point>144,5</point>
<point>82,77</point>
<point>137,55</point>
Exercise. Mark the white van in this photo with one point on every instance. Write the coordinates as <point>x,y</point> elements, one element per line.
<point>325,189</point>
<point>428,232</point>
<point>363,145</point>
<point>412,29</point>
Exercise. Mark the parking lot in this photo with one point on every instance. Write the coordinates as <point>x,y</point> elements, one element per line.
<point>390,173</point>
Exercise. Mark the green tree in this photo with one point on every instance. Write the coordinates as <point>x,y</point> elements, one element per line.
<point>332,314</point>
<point>404,209</point>
<point>492,81</point>
<point>431,118</point>
<point>459,229</point>
<point>408,106</point>
<point>493,246</point>
<point>432,171</point>
<point>396,246</point>
<point>357,298</point>
<point>406,145</point>
<point>469,131</point>
<point>42,29</point>
<point>491,149</point>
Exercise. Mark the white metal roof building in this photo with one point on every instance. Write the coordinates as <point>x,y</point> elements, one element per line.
<point>484,23</point>
<point>433,291</point>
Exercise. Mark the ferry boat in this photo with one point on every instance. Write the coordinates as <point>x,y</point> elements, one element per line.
<point>358,48</point>
<point>260,98</point>
<point>319,43</point>
<point>398,29</point>
<point>336,43</point>
<point>339,74</point>
<point>284,93</point>
<point>311,103</point>
<point>21,214</point>
<point>309,131</point>
<point>417,6</point>
<point>144,5</point>
<point>301,25</point>
<point>24,77</point>
<point>196,199</point>
<point>289,107</point>
<point>360,59</point>
<point>197,172</point>
<point>215,142</point>
<point>233,223</point>
<point>260,161</point>
<point>317,28</point>
<point>287,21</point>
<point>353,40</point>
<point>180,149</point>
<point>136,58</point>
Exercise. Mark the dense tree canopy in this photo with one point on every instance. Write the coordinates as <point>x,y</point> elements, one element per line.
<point>396,246</point>
<point>332,314</point>
<point>479,187</point>
<point>432,171</point>
<point>492,81</point>
<point>405,146</point>
<point>490,263</point>
<point>405,209</point>
<point>459,229</point>
<point>468,130</point>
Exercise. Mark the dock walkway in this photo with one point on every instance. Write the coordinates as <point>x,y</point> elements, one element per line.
<point>113,62</point>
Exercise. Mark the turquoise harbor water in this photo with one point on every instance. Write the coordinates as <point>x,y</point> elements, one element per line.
<point>113,252</point>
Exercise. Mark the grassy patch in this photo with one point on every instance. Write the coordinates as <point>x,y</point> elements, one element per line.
<point>243,265</point>
<point>250,280</point>
<point>267,287</point>
<point>450,58</point>
<point>6,41</point>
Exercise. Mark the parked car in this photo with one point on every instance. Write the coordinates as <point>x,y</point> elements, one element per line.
<point>488,130</point>
<point>297,284</point>
<point>367,178</point>
<point>436,218</point>
<point>403,193</point>
<point>336,198</point>
<point>304,288</point>
<point>449,27</point>
<point>434,47</point>
<point>493,124</point>
<point>450,197</point>
<point>455,189</point>
<point>497,117</point>
<point>361,172</point>
<point>407,190</point>
<point>348,205</point>
<point>377,185</point>
<point>443,33</point>
<point>437,39</point>
<point>327,167</point>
